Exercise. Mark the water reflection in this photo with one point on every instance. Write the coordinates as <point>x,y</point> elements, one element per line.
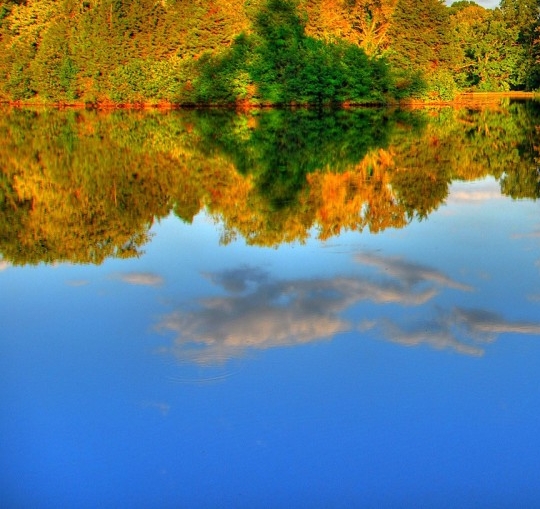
<point>409,273</point>
<point>140,278</point>
<point>464,330</point>
<point>360,353</point>
<point>83,186</point>
<point>259,311</point>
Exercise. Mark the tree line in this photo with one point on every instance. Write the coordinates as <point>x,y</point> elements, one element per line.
<point>263,51</point>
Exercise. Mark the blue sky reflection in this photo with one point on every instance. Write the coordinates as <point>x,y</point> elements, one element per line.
<point>338,374</point>
<point>259,311</point>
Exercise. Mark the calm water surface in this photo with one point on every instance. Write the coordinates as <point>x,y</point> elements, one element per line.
<point>280,309</point>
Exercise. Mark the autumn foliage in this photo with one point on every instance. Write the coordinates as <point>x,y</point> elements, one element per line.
<point>104,52</point>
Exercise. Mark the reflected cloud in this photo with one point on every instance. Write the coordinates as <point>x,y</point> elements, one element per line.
<point>475,196</point>
<point>408,272</point>
<point>463,330</point>
<point>474,192</point>
<point>434,334</point>
<point>140,278</point>
<point>531,235</point>
<point>272,314</point>
<point>262,312</point>
<point>3,265</point>
<point>78,282</point>
<point>480,322</point>
<point>238,280</point>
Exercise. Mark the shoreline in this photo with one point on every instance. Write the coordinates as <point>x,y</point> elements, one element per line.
<point>464,98</point>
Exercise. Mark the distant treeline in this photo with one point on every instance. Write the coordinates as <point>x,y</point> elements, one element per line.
<point>263,51</point>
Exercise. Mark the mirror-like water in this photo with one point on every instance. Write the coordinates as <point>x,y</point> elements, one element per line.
<point>276,309</point>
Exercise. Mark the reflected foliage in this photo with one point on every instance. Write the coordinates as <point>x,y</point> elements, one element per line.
<point>82,186</point>
<point>279,149</point>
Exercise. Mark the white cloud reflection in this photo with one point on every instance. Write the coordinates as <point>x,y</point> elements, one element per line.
<point>475,196</point>
<point>78,282</point>
<point>3,265</point>
<point>410,273</point>
<point>140,278</point>
<point>463,330</point>
<point>261,312</point>
<point>535,234</point>
<point>474,193</point>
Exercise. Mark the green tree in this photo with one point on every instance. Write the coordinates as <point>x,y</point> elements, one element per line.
<point>422,52</point>
<point>523,16</point>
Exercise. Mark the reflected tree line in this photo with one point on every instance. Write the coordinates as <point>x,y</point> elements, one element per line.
<point>82,186</point>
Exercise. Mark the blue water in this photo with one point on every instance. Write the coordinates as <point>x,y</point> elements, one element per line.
<point>389,370</point>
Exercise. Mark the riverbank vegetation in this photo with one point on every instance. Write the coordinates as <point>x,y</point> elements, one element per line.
<point>263,52</point>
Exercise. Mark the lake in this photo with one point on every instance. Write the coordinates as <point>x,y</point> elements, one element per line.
<point>274,309</point>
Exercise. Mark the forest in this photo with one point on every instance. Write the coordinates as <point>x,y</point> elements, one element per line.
<point>263,52</point>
